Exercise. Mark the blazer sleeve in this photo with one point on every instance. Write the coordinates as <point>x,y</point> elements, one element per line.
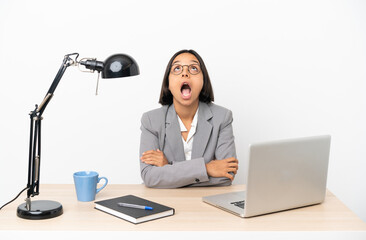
<point>173,175</point>
<point>225,143</point>
<point>225,149</point>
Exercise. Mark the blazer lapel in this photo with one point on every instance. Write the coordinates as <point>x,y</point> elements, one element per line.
<point>173,134</point>
<point>203,131</point>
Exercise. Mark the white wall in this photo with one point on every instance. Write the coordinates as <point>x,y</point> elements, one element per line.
<point>285,68</point>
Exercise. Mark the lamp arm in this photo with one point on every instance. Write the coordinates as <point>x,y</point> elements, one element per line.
<point>35,130</point>
<point>68,61</point>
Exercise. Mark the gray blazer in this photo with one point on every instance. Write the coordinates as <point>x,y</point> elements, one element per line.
<point>213,139</point>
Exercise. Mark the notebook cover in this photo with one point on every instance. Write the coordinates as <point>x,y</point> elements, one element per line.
<point>135,213</point>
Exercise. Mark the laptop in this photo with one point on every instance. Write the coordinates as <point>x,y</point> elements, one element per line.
<point>282,175</point>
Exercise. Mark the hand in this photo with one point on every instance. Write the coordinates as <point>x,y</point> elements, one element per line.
<point>156,158</point>
<point>221,168</point>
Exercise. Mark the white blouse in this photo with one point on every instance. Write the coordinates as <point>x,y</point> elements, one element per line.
<point>188,144</point>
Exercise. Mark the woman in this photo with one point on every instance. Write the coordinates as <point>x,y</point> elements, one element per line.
<point>189,140</point>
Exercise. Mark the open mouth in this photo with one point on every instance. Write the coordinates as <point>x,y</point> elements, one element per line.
<point>185,90</point>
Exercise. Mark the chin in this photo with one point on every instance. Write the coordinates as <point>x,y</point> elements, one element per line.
<point>186,103</point>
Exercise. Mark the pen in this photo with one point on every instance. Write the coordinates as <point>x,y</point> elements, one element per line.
<point>134,206</point>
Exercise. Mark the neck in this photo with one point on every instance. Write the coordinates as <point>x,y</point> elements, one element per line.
<point>186,112</point>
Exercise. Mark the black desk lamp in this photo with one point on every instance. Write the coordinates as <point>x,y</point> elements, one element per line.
<point>118,65</point>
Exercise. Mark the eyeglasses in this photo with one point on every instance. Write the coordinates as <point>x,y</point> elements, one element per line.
<point>192,69</point>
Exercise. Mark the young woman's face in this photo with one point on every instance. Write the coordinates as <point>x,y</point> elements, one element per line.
<point>185,79</point>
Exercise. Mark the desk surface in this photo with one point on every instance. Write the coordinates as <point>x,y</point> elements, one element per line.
<point>191,213</point>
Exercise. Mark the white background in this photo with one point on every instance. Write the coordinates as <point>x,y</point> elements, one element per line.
<point>285,68</point>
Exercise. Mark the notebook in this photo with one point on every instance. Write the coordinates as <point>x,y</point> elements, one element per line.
<point>282,175</point>
<point>134,215</point>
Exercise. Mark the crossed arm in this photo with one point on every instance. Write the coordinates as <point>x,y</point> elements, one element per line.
<point>215,168</point>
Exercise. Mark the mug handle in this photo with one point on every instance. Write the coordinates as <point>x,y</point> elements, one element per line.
<point>105,184</point>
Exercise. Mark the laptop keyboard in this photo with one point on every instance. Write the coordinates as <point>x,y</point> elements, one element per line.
<point>239,204</point>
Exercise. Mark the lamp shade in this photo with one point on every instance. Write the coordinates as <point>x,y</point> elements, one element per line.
<point>120,65</point>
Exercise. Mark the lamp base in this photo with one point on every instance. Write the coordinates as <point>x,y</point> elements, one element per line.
<point>40,209</point>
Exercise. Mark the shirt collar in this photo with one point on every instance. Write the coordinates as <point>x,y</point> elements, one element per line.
<point>193,124</point>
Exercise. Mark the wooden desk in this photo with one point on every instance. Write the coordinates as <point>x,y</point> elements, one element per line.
<point>191,213</point>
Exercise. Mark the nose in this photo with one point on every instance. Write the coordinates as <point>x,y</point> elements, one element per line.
<point>185,72</point>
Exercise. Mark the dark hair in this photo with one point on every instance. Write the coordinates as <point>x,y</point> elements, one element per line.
<point>206,94</point>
